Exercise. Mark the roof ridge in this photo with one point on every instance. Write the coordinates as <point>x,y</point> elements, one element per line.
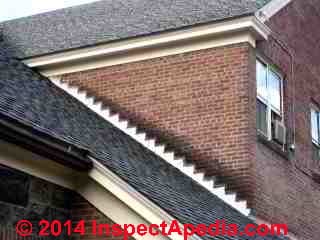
<point>169,156</point>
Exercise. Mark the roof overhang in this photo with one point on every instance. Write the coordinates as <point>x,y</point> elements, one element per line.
<point>238,30</point>
<point>40,142</point>
<point>99,186</point>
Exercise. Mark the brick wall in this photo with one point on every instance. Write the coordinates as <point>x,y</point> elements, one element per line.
<point>82,210</point>
<point>197,103</point>
<point>203,105</point>
<point>25,197</point>
<point>286,191</point>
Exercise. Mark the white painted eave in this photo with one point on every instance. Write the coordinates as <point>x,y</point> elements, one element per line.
<point>101,187</point>
<point>135,200</point>
<point>248,24</point>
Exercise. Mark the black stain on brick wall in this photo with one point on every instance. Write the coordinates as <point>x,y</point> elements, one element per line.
<point>26,197</point>
<point>14,187</point>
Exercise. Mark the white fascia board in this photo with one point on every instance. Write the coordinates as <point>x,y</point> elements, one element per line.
<point>112,207</point>
<point>23,160</point>
<point>102,188</point>
<point>126,193</point>
<point>146,54</point>
<point>270,9</point>
<point>248,24</point>
<point>140,204</point>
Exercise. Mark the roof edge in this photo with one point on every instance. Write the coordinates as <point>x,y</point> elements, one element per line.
<point>249,24</point>
<point>130,196</point>
<point>271,9</point>
<point>142,35</point>
<point>43,143</point>
<point>88,184</point>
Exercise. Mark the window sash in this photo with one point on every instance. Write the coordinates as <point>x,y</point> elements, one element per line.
<point>271,106</point>
<point>274,90</point>
<point>315,126</point>
<point>270,115</point>
<point>262,79</point>
<point>266,97</point>
<point>315,152</point>
<point>262,118</point>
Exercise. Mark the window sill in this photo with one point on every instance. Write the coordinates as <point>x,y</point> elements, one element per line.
<point>273,146</point>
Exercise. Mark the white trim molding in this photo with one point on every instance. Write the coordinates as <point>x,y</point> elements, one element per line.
<point>159,149</point>
<point>17,158</point>
<point>100,187</point>
<point>271,9</point>
<point>240,30</point>
<point>130,196</point>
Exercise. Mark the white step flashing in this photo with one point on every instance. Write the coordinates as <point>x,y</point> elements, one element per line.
<point>141,137</point>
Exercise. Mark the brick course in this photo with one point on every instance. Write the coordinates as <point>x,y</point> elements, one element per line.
<point>83,210</point>
<point>196,102</point>
<point>286,191</point>
<point>26,197</point>
<point>203,104</point>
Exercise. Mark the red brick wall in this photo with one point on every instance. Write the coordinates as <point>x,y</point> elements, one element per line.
<point>202,104</point>
<point>197,103</point>
<point>286,191</point>
<point>23,196</point>
<point>83,210</point>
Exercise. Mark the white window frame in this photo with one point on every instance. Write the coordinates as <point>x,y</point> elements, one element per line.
<point>270,108</point>
<point>317,110</point>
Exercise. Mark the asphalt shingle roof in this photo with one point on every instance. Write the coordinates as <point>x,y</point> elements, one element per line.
<point>30,98</point>
<point>109,20</point>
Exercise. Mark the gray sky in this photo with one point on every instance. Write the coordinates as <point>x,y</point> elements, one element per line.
<point>10,9</point>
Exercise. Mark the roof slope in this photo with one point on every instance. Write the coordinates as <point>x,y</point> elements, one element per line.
<point>30,98</point>
<point>110,20</point>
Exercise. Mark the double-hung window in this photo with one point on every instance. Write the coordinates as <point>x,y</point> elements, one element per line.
<point>315,131</point>
<point>269,98</point>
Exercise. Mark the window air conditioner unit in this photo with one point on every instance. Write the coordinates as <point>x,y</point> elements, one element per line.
<point>279,132</point>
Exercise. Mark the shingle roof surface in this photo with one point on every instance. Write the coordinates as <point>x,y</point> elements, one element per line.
<point>110,20</point>
<point>32,99</point>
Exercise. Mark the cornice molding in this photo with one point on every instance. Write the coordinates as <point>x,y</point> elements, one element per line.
<point>228,32</point>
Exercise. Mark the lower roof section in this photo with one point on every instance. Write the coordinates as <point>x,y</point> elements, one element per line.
<point>105,195</point>
<point>101,187</point>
